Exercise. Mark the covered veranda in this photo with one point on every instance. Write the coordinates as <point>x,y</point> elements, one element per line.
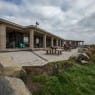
<point>16,38</point>
<point>42,40</point>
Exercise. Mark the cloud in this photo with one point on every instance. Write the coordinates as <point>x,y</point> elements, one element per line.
<point>70,19</point>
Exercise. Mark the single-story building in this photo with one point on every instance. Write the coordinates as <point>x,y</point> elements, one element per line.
<point>14,36</point>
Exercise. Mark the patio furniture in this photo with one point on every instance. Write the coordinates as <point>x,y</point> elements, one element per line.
<point>54,51</point>
<point>59,51</point>
<point>48,51</point>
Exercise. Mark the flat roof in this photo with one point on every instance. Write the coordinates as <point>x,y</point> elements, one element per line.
<point>74,40</point>
<point>10,23</point>
<point>27,27</point>
<point>34,27</point>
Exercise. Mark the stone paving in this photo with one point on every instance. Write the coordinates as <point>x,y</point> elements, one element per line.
<point>37,58</point>
<point>51,58</point>
<point>25,58</point>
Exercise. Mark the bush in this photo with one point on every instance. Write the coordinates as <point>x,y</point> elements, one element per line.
<point>76,80</point>
<point>42,78</point>
<point>92,59</point>
<point>52,87</point>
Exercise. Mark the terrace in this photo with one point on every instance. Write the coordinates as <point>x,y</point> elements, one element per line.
<point>38,58</point>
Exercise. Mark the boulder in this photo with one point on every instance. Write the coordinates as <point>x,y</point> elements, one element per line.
<point>12,86</point>
<point>84,62</point>
<point>89,53</point>
<point>80,50</point>
<point>83,58</point>
<point>9,68</point>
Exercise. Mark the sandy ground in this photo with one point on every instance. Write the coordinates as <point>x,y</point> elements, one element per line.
<point>38,58</point>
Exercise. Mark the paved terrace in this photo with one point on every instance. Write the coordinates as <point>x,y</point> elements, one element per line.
<point>37,58</point>
<point>51,58</point>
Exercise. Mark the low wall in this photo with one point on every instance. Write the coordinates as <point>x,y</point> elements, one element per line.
<point>48,68</point>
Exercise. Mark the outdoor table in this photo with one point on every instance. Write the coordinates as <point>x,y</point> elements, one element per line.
<point>54,50</point>
<point>48,51</point>
<point>58,51</point>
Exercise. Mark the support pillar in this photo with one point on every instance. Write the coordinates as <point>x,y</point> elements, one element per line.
<point>63,42</point>
<point>2,37</point>
<point>60,43</point>
<point>31,39</point>
<point>44,41</point>
<point>82,43</point>
<point>78,44</point>
<point>75,44</point>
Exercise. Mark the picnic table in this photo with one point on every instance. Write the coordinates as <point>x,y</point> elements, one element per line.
<point>54,50</point>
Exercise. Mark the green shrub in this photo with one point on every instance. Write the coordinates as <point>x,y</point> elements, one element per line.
<point>92,59</point>
<point>42,78</point>
<point>52,87</point>
<point>77,80</point>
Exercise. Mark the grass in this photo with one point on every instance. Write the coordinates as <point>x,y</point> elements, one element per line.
<point>77,80</point>
<point>70,79</point>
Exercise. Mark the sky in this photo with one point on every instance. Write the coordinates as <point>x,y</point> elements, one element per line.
<point>69,19</point>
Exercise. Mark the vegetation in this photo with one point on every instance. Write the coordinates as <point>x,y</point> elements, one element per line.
<point>64,77</point>
<point>76,80</point>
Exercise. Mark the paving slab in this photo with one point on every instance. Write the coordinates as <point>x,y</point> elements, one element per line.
<point>51,58</point>
<point>25,58</point>
<point>38,58</point>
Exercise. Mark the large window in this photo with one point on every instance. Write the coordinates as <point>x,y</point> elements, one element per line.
<point>16,39</point>
<point>54,42</point>
<point>38,40</point>
<point>48,42</point>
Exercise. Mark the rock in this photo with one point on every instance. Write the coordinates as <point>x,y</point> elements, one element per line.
<point>80,50</point>
<point>9,68</point>
<point>84,62</point>
<point>86,57</point>
<point>83,56</point>
<point>12,86</point>
<point>89,53</point>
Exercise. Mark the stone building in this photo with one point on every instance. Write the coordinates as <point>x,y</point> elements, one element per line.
<point>17,37</point>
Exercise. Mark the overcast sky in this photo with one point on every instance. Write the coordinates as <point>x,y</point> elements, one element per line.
<point>69,19</point>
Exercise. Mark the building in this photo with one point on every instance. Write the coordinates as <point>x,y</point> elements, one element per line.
<point>74,43</point>
<point>17,37</point>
